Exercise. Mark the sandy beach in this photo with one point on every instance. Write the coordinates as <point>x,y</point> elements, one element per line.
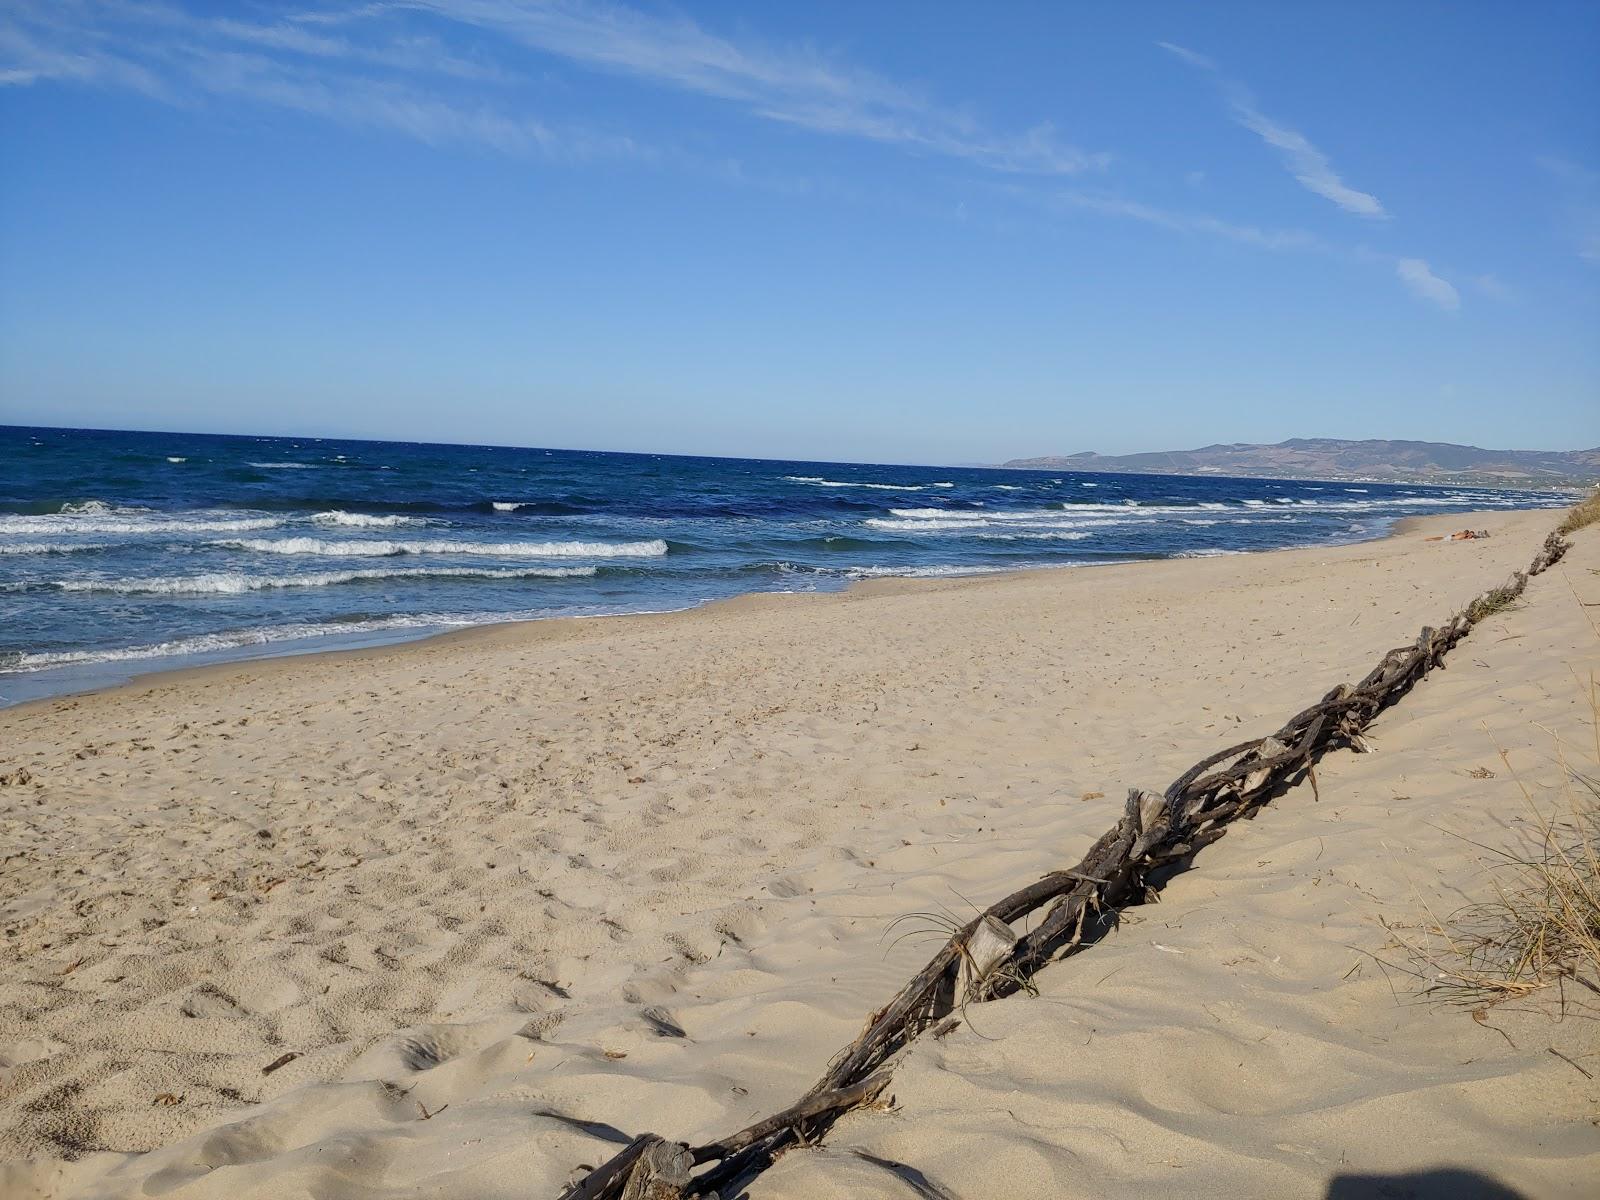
<point>385,923</point>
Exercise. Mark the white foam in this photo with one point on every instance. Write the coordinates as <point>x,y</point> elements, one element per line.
<point>96,508</point>
<point>920,526</point>
<point>285,466</point>
<point>49,547</point>
<point>216,642</point>
<point>1014,535</point>
<point>508,505</point>
<point>364,520</point>
<point>234,583</point>
<point>1010,522</point>
<point>386,549</point>
<point>918,572</point>
<point>174,459</point>
<point>818,481</point>
<point>88,521</point>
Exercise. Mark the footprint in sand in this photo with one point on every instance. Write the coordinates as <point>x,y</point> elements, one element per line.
<point>209,1001</point>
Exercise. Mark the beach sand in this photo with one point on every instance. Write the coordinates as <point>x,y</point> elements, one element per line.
<point>448,877</point>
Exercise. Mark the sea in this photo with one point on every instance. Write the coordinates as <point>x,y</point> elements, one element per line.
<point>122,553</point>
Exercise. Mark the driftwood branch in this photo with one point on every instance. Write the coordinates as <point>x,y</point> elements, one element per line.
<point>986,958</point>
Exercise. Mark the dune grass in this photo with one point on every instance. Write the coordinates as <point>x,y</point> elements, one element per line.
<point>1585,512</point>
<point>1541,926</point>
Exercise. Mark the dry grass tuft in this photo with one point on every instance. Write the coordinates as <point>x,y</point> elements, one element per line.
<point>1542,926</point>
<point>1498,600</point>
<point>1585,512</point>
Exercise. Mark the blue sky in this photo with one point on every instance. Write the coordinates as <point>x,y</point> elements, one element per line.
<point>919,232</point>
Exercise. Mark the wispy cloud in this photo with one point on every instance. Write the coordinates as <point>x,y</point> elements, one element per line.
<point>379,64</point>
<point>1494,287</point>
<point>1309,165</point>
<point>1580,188</point>
<point>1417,276</point>
<point>795,85</point>
<point>1181,222</point>
<point>387,83</point>
<point>28,58</point>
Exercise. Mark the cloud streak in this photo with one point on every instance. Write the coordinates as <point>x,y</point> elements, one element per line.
<point>378,65</point>
<point>792,85</point>
<point>390,83</point>
<point>1417,276</point>
<point>1182,222</point>
<point>1580,187</point>
<point>1310,167</point>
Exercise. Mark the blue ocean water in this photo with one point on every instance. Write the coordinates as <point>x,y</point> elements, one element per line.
<point>126,552</point>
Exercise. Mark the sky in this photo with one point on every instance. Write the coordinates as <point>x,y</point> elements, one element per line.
<point>920,232</point>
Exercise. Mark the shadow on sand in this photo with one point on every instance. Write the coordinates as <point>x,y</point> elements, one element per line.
<point>1441,1183</point>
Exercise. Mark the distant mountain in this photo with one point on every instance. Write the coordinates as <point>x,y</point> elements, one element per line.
<point>1335,458</point>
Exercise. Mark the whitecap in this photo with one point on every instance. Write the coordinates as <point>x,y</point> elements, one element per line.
<point>234,583</point>
<point>385,549</point>
<point>1024,535</point>
<point>49,547</point>
<point>70,523</point>
<point>918,572</point>
<point>355,520</point>
<point>818,481</point>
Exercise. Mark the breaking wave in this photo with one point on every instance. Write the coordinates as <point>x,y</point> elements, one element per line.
<point>50,547</point>
<point>211,643</point>
<point>388,549</point>
<point>355,520</point>
<point>818,481</point>
<point>234,583</point>
<point>90,521</point>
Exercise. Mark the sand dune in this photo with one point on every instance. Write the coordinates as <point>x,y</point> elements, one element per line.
<point>451,878</point>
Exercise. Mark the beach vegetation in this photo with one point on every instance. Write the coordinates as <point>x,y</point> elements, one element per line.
<point>1585,512</point>
<point>1539,928</point>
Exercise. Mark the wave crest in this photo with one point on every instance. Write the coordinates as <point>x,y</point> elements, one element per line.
<point>389,549</point>
<point>355,520</point>
<point>91,521</point>
<point>234,583</point>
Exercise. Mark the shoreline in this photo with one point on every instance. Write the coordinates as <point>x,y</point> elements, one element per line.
<point>460,874</point>
<point>379,642</point>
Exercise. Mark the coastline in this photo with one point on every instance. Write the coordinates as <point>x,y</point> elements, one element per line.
<point>381,643</point>
<point>452,875</point>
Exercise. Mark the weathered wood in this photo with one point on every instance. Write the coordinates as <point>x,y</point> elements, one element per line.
<point>837,1099</point>
<point>606,1179</point>
<point>660,1173</point>
<point>985,957</point>
<point>991,944</point>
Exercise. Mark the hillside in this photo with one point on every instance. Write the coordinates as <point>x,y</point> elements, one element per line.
<point>1336,458</point>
